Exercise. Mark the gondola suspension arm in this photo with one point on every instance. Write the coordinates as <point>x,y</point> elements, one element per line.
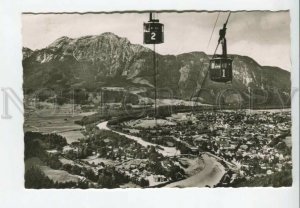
<point>223,35</point>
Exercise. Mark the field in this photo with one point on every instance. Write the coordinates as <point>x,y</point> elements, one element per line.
<point>96,160</point>
<point>149,123</point>
<point>60,176</point>
<point>170,102</point>
<point>34,161</point>
<point>61,124</point>
<point>60,121</point>
<point>72,136</point>
<point>55,175</point>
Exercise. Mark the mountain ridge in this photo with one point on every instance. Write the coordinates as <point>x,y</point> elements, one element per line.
<point>92,62</point>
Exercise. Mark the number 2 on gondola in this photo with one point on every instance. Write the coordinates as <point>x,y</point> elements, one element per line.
<point>153,36</point>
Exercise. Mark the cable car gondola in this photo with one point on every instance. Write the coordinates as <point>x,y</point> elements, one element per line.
<point>153,31</point>
<point>220,69</point>
<point>220,66</point>
<point>154,34</point>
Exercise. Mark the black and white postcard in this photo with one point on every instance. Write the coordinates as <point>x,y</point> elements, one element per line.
<point>169,105</point>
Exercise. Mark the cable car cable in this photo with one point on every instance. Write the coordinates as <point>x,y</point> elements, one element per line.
<point>228,18</point>
<point>213,30</point>
<point>205,76</point>
<point>209,44</point>
<point>207,48</point>
<point>154,34</point>
<point>216,47</point>
<point>221,66</point>
<point>223,27</point>
<point>215,51</point>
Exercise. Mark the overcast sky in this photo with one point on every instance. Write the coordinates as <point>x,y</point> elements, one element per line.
<point>264,36</point>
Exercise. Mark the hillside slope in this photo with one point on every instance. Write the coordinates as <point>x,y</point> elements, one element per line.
<point>92,62</point>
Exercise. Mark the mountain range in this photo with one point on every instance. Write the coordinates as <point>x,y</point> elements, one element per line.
<point>92,62</point>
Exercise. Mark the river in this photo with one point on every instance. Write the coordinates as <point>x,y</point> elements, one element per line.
<point>165,151</point>
<point>209,176</point>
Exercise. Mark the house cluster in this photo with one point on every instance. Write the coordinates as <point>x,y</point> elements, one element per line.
<point>253,142</point>
<point>137,170</point>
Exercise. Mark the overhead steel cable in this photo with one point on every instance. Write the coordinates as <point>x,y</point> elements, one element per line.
<point>228,18</point>
<point>224,27</point>
<point>204,78</point>
<point>213,30</point>
<point>214,51</point>
<point>207,48</point>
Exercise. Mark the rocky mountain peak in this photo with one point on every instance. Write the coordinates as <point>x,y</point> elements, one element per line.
<point>26,52</point>
<point>110,60</point>
<point>60,42</point>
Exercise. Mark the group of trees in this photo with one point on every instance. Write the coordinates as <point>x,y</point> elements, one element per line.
<point>141,182</point>
<point>101,141</point>
<point>111,145</point>
<point>35,178</point>
<point>278,179</point>
<point>36,143</point>
<point>97,117</point>
<point>173,172</point>
<point>78,96</point>
<point>161,140</point>
<point>111,178</point>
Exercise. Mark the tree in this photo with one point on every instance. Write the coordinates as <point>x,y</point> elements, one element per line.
<point>144,182</point>
<point>35,178</point>
<point>89,173</point>
<point>67,167</point>
<point>76,170</point>
<point>83,184</point>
